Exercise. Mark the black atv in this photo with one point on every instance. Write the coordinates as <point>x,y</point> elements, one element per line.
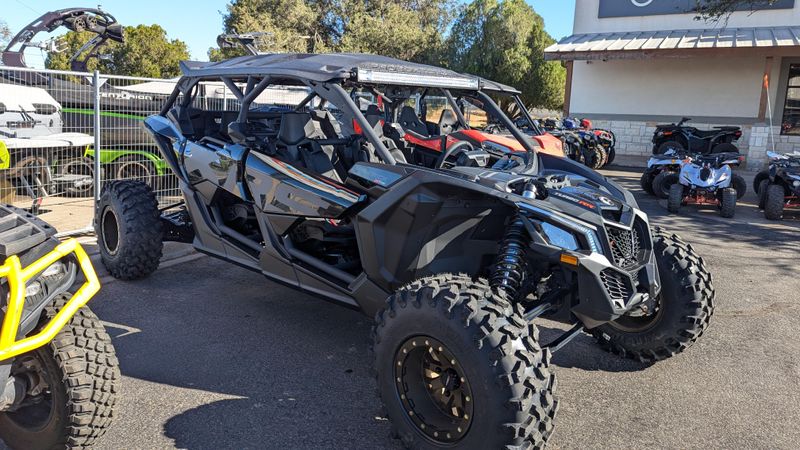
<point>679,137</point>
<point>454,256</point>
<point>779,185</point>
<point>58,369</point>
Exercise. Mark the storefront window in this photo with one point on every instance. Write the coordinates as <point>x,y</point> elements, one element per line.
<point>791,109</point>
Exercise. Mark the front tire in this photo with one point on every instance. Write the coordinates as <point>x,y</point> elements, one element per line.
<point>760,176</point>
<point>675,199</point>
<point>669,145</point>
<point>773,205</point>
<point>683,312</point>
<point>129,230</point>
<point>490,351</point>
<point>762,193</point>
<point>80,372</point>
<point>727,206</point>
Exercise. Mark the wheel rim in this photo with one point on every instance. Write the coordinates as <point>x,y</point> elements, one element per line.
<point>134,170</point>
<point>433,390</point>
<point>78,167</point>
<point>110,227</point>
<point>639,324</point>
<point>37,410</point>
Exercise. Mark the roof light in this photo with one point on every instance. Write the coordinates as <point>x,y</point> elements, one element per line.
<point>374,76</point>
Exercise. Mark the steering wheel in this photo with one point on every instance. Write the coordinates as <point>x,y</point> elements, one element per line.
<point>458,146</point>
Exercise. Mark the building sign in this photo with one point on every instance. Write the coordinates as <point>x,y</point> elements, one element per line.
<point>632,8</point>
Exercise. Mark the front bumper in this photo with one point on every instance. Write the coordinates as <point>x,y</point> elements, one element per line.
<point>17,278</point>
<point>606,292</point>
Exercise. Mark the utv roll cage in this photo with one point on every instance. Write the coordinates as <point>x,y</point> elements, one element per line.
<point>328,77</point>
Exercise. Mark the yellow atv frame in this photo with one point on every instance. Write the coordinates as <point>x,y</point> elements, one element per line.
<point>17,279</point>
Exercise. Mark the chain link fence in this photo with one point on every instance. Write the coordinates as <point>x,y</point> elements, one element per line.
<point>63,135</point>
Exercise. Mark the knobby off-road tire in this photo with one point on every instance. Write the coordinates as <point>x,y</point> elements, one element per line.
<point>646,182</point>
<point>762,193</point>
<point>675,199</point>
<point>773,204</point>
<point>727,203</point>
<point>760,176</point>
<point>738,183</point>
<point>665,146</point>
<point>497,352</point>
<point>82,373</point>
<point>662,183</point>
<point>685,307</point>
<point>129,230</point>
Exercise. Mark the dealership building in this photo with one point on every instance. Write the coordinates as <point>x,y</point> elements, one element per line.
<point>634,63</point>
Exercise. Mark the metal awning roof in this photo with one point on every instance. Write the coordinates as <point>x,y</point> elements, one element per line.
<point>643,43</point>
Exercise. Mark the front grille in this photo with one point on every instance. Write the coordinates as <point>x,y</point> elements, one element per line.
<point>615,285</point>
<point>625,246</point>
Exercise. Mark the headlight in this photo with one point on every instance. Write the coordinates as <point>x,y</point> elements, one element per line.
<point>569,224</point>
<point>723,177</point>
<point>559,237</point>
<point>56,269</point>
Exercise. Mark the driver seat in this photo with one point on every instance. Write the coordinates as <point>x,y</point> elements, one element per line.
<point>296,144</point>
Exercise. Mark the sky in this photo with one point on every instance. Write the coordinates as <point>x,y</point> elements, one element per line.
<point>199,24</point>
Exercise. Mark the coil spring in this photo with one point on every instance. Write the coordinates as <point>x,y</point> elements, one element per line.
<point>510,266</point>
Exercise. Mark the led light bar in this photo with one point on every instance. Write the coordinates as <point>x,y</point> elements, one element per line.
<point>407,79</point>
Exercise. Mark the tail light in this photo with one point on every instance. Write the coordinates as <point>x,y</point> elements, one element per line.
<point>668,133</point>
<point>738,134</point>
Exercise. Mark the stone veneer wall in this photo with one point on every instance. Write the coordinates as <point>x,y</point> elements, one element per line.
<point>634,138</point>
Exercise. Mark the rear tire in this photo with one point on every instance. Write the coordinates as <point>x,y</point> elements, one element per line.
<point>612,154</point>
<point>685,306</point>
<point>81,371</point>
<point>727,206</point>
<point>646,182</point>
<point>725,148</point>
<point>494,353</point>
<point>664,146</point>
<point>129,230</point>
<point>773,205</point>
<point>675,198</point>
<point>662,183</point>
<point>760,176</point>
<point>738,183</point>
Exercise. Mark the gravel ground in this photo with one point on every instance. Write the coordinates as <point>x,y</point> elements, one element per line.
<point>230,360</point>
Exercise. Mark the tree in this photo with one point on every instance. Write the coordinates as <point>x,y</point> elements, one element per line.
<point>404,29</point>
<point>146,52</point>
<point>291,25</point>
<point>718,9</point>
<point>504,40</point>
<point>407,29</point>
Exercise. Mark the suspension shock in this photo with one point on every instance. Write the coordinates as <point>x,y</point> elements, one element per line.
<point>508,271</point>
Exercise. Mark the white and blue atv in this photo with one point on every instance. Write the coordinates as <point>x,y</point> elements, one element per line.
<point>706,180</point>
<point>663,170</point>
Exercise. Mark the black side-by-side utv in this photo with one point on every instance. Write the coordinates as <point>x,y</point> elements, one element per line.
<point>454,256</point>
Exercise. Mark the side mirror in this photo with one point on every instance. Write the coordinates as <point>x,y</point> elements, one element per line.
<point>162,126</point>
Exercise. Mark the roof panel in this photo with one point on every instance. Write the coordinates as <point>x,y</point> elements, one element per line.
<point>760,37</point>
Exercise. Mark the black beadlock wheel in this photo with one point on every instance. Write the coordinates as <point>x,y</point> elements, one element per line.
<point>75,378</point>
<point>727,204</point>
<point>129,229</point>
<point>662,183</point>
<point>738,183</point>
<point>774,202</point>
<point>675,198</point>
<point>683,308</point>
<point>646,181</point>
<point>458,366</point>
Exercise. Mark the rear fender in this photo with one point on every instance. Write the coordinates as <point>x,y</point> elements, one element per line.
<point>170,141</point>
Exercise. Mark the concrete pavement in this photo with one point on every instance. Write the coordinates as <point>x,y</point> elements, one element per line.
<point>214,356</point>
